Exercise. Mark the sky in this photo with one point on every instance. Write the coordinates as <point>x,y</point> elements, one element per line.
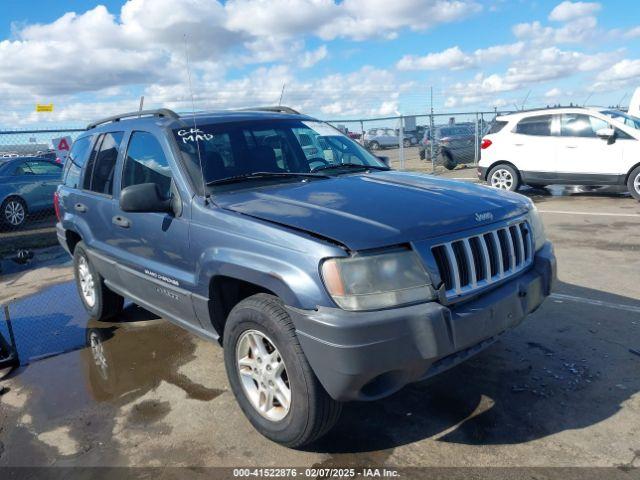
<point>335,59</point>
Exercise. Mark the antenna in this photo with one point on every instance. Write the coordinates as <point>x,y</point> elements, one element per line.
<point>281,94</point>
<point>622,99</point>
<point>141,105</point>
<point>193,111</point>
<point>588,98</point>
<point>525,99</point>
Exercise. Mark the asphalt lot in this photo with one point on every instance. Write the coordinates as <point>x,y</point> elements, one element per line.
<point>560,390</point>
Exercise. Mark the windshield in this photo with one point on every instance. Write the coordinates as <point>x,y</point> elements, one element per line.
<point>628,120</point>
<point>240,150</point>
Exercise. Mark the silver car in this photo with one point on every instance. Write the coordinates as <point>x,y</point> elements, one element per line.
<point>377,138</point>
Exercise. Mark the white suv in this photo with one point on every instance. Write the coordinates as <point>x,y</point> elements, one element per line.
<point>570,146</point>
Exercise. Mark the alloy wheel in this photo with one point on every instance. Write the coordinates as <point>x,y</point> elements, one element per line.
<point>263,375</point>
<point>87,283</point>
<point>14,213</point>
<point>636,183</point>
<point>502,179</point>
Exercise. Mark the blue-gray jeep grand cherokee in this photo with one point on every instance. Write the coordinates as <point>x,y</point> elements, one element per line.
<point>325,276</point>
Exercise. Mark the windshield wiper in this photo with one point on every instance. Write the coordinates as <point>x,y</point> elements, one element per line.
<point>254,175</point>
<point>350,165</point>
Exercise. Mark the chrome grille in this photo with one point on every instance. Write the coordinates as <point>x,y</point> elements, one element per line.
<point>471,263</point>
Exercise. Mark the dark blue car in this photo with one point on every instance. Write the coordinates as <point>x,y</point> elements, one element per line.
<point>27,185</point>
<point>326,276</point>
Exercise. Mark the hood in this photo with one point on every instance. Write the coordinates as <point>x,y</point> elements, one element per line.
<point>378,209</point>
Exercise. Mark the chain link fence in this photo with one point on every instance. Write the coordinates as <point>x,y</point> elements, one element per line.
<point>30,169</point>
<point>431,143</point>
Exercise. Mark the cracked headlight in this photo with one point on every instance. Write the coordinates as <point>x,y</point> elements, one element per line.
<point>374,281</point>
<point>538,228</point>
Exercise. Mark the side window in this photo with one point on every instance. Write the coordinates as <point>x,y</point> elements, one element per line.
<point>22,169</point>
<point>76,160</point>
<point>146,163</point>
<point>580,125</point>
<point>539,125</point>
<point>45,168</point>
<point>104,164</point>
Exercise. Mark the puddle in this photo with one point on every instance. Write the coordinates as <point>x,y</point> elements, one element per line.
<point>121,359</point>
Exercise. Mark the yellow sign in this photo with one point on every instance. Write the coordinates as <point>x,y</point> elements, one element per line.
<point>40,107</point>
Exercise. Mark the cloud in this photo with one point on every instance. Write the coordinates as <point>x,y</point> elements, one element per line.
<point>310,58</point>
<point>624,73</point>
<point>547,64</point>
<point>455,59</point>
<point>633,32</point>
<point>566,11</point>
<point>553,93</point>
<point>362,19</point>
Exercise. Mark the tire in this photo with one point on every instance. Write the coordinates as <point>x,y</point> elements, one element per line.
<point>374,145</point>
<point>14,212</point>
<point>423,155</point>
<point>99,302</point>
<point>633,183</point>
<point>448,162</point>
<point>504,177</point>
<point>406,143</point>
<point>311,412</point>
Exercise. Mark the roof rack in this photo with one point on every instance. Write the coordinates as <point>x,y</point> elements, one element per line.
<point>277,109</point>
<point>160,112</point>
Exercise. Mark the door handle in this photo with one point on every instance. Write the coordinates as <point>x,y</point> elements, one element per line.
<point>121,221</point>
<point>571,146</point>
<point>518,144</point>
<point>80,208</point>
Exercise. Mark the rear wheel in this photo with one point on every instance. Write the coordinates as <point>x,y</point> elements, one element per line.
<point>100,302</point>
<point>406,142</point>
<point>14,212</point>
<point>270,376</point>
<point>504,177</point>
<point>374,145</point>
<point>634,183</point>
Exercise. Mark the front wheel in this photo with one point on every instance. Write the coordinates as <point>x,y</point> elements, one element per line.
<point>406,142</point>
<point>504,177</point>
<point>271,377</point>
<point>99,302</point>
<point>634,183</point>
<point>374,145</point>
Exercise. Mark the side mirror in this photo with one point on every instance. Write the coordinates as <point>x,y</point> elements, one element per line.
<point>144,197</point>
<point>384,160</point>
<point>605,133</point>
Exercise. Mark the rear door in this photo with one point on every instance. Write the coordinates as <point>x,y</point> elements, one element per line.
<point>93,204</point>
<point>155,264</point>
<point>583,158</point>
<point>532,148</point>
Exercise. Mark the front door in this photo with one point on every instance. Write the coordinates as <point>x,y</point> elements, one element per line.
<point>47,176</point>
<point>582,157</point>
<point>155,264</point>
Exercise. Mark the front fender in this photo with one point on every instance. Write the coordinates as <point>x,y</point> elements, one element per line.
<point>294,279</point>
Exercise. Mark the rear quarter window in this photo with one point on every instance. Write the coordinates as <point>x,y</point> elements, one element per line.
<point>76,160</point>
<point>496,126</point>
